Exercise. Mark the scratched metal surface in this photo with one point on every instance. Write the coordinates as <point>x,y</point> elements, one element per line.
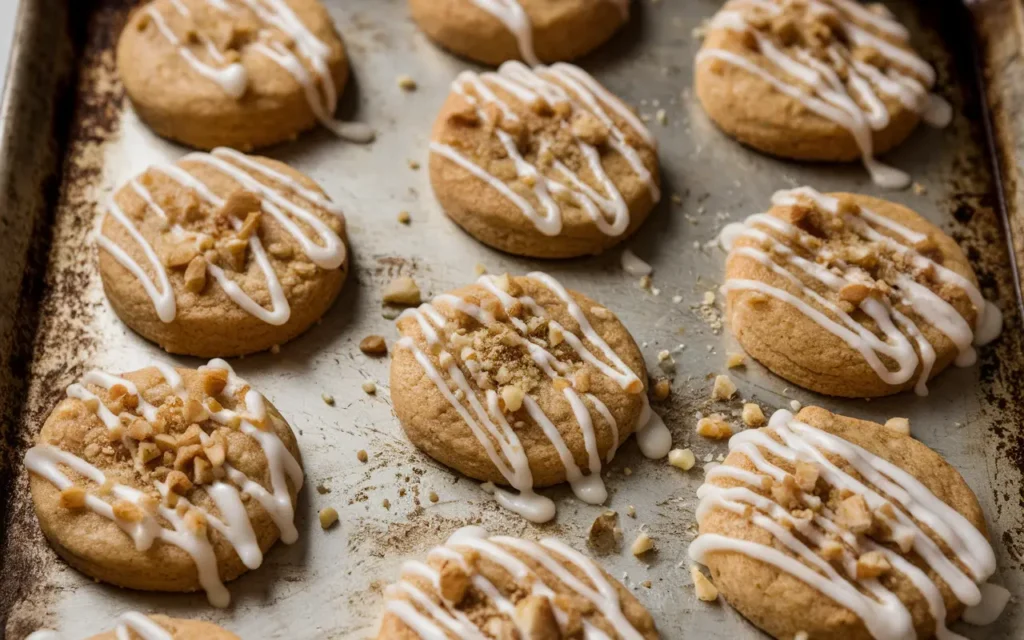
<point>329,584</point>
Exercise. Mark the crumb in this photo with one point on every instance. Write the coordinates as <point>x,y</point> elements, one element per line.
<point>631,511</point>
<point>646,584</point>
<point>370,387</point>
<point>373,345</point>
<point>362,456</point>
<point>682,459</point>
<point>899,425</point>
<point>479,269</point>
<point>386,504</point>
<point>327,398</point>
<point>714,427</point>
<point>404,217</point>
<point>724,388</point>
<point>752,415</point>
<point>666,361</point>
<point>919,189</point>
<point>662,389</point>
<point>414,165</point>
<point>328,516</point>
<point>322,489</point>
<point>661,117</point>
<point>275,349</point>
<point>706,591</point>
<point>404,291</point>
<point>734,360</point>
<point>433,496</point>
<point>605,536</point>
<point>642,544</point>
<point>627,471</point>
<point>677,199</point>
<point>406,83</point>
<point>795,405</point>
<point>709,298</point>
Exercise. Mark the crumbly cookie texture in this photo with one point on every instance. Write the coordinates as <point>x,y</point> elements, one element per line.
<point>221,254</point>
<point>828,525</point>
<point>495,31</point>
<point>138,625</point>
<point>519,382</point>
<point>208,77</point>
<point>506,587</point>
<point>828,80</point>
<point>852,296</point>
<point>542,162</point>
<point>165,479</point>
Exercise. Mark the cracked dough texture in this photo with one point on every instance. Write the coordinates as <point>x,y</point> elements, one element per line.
<point>782,605</point>
<point>433,425</point>
<point>178,103</point>
<point>208,323</point>
<point>562,29</point>
<point>99,548</point>
<point>180,630</point>
<point>797,348</point>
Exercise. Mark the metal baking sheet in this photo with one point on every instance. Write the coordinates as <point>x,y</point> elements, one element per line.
<point>69,138</point>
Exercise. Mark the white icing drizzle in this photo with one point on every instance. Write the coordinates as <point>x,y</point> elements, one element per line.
<point>233,79</point>
<point>514,17</point>
<point>233,521</point>
<point>558,84</point>
<point>901,333</point>
<point>884,615</point>
<point>128,623</point>
<point>431,620</point>
<point>490,426</point>
<point>857,104</point>
<point>327,251</point>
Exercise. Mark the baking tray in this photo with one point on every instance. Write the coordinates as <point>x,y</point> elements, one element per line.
<point>68,138</point>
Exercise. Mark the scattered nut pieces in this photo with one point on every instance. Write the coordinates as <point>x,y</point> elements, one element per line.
<point>370,387</point>
<point>899,425</point>
<point>714,427</point>
<point>406,83</point>
<point>605,536</point>
<point>403,291</point>
<point>682,459</point>
<point>706,590</point>
<point>404,217</point>
<point>512,396</point>
<point>734,360</point>
<point>709,298</point>
<point>642,544</point>
<point>724,388</point>
<point>362,456</point>
<point>662,389</point>
<point>853,515</point>
<point>72,497</point>
<point>433,496</point>
<point>327,398</point>
<point>373,345</point>
<point>195,274</point>
<point>871,565</point>
<point>328,516</point>
<point>753,416</point>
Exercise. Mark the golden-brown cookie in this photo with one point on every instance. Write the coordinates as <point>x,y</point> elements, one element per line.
<point>241,74</point>
<point>165,479</point>
<point>495,31</point>
<point>542,162</point>
<point>829,80</point>
<point>505,587</point>
<point>222,254</point>
<point>852,296</point>
<point>832,527</point>
<point>519,382</point>
<point>160,627</point>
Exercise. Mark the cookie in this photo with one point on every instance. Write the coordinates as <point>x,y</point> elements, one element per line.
<point>823,80</point>
<point>155,627</point>
<point>852,296</point>
<point>165,479</point>
<point>221,254</point>
<point>477,586</point>
<point>495,31</point>
<point>542,162</point>
<point>823,526</point>
<point>245,74</point>
<point>517,381</point>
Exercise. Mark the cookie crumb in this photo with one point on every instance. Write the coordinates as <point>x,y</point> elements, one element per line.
<point>322,489</point>
<point>406,83</point>
<point>734,360</point>
<point>373,345</point>
<point>706,590</point>
<point>795,405</point>
<point>872,565</point>
<point>512,396</point>
<point>919,189</point>
<point>646,584</point>
<point>72,497</point>
<point>414,165</point>
<point>709,298</point>
<point>362,456</point>
<point>327,398</point>
<point>662,389</point>
<point>404,291</point>
<point>370,387</point>
<point>479,269</point>
<point>666,361</point>
<point>386,504</point>
<point>627,471</point>
<point>642,544</point>
<point>714,427</point>
<point>328,516</point>
<point>899,425</point>
<point>631,511</point>
<point>433,496</point>
<point>677,199</point>
<point>404,217</point>
<point>682,459</point>
<point>275,349</point>
<point>633,265</point>
<point>724,388</point>
<point>752,415</point>
<point>853,515</point>
<point>605,536</point>
<point>661,117</point>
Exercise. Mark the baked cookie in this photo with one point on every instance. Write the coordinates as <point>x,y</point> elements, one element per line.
<point>852,296</point>
<point>235,73</point>
<point>165,479</point>
<point>542,162</point>
<point>516,381</point>
<point>221,254</point>
<point>477,586</point>
<point>495,31</point>
<point>155,627</point>
<point>822,526</point>
<point>822,80</point>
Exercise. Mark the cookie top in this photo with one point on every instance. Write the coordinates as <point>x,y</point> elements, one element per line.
<point>842,528</point>
<point>477,586</point>
<point>165,479</point>
<point>495,31</point>
<point>852,296</point>
<point>155,627</point>
<point>237,73</point>
<point>519,382</point>
<point>824,80</point>
<point>542,162</point>
<point>221,254</point>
